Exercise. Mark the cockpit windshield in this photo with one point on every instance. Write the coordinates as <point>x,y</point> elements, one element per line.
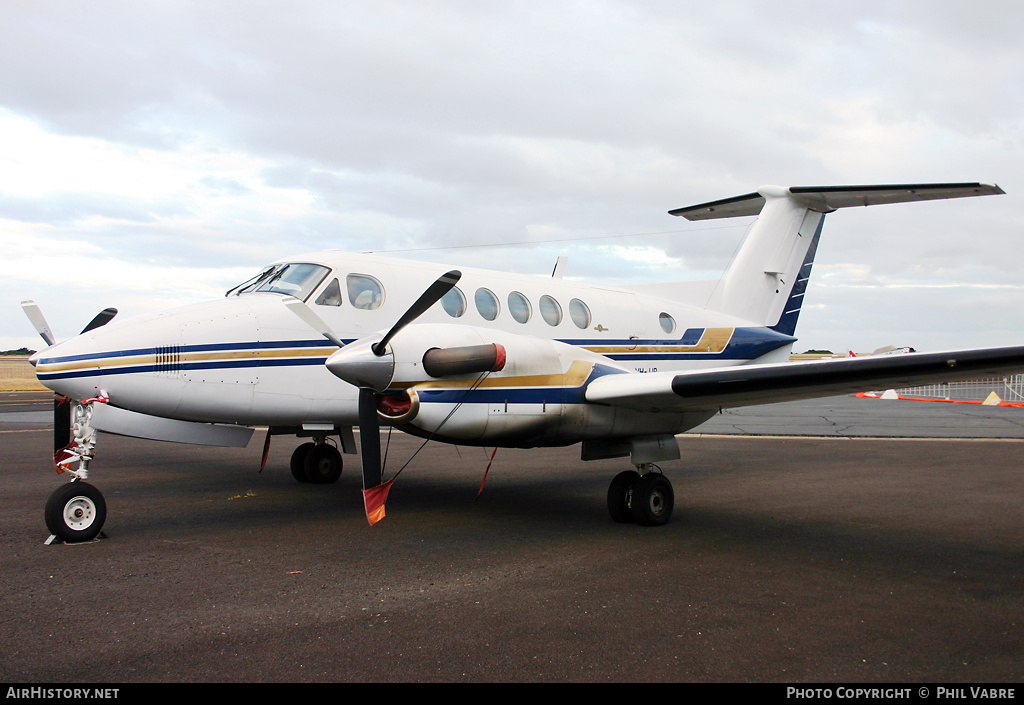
<point>295,279</point>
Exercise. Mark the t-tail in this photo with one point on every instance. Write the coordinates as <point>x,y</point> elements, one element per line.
<point>766,282</point>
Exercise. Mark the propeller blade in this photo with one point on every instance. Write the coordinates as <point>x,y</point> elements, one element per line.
<point>369,438</point>
<point>35,315</point>
<point>427,299</point>
<point>102,318</point>
<point>312,320</point>
<point>375,493</point>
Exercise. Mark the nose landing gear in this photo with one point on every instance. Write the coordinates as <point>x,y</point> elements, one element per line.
<point>76,511</point>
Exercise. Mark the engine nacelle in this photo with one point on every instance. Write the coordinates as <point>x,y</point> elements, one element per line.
<point>468,359</point>
<point>479,386</point>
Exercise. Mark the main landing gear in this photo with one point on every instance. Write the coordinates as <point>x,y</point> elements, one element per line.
<point>318,463</point>
<point>643,496</point>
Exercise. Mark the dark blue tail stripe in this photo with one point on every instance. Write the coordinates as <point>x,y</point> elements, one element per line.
<point>791,311</point>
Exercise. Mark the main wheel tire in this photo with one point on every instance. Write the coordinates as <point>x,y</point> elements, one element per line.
<point>323,464</point>
<point>653,500</point>
<point>298,462</point>
<point>75,512</point>
<point>619,494</point>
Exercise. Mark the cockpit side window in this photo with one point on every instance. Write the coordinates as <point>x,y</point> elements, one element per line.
<point>295,279</point>
<point>331,295</point>
<point>364,291</point>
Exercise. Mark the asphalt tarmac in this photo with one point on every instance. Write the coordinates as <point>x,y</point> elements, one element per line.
<point>842,557</point>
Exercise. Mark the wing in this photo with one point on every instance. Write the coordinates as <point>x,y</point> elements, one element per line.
<point>746,385</point>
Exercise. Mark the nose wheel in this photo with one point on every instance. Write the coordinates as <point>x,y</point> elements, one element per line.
<point>75,512</point>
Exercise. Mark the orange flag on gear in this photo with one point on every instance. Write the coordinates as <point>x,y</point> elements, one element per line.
<point>373,500</point>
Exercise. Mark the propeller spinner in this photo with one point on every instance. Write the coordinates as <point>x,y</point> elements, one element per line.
<point>367,365</point>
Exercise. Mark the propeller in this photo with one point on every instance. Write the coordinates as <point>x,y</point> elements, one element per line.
<point>35,315</point>
<point>101,319</point>
<point>361,363</point>
<point>427,299</point>
<point>312,320</point>
<point>38,320</point>
<point>61,404</point>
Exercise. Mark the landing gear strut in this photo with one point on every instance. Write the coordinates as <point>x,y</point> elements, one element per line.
<point>643,496</point>
<point>76,511</point>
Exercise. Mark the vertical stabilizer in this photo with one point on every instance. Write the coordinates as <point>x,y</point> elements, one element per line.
<point>766,282</point>
<point>760,284</point>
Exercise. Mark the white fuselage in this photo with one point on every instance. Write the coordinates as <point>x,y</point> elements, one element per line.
<point>246,359</point>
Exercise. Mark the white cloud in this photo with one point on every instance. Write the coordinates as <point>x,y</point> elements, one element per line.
<point>201,139</point>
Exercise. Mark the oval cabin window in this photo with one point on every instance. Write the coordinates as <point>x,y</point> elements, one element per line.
<point>579,312</point>
<point>454,303</point>
<point>519,307</point>
<point>486,304</point>
<point>550,311</point>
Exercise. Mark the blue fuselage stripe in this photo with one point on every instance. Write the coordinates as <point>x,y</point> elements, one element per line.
<point>744,344</point>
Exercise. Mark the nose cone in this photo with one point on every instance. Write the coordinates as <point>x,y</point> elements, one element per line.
<point>65,368</point>
<point>358,365</point>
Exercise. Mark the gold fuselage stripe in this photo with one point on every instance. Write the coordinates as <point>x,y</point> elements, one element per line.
<point>712,340</point>
<point>180,358</point>
<point>575,376</point>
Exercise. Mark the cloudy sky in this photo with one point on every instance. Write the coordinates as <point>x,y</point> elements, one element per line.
<point>157,153</point>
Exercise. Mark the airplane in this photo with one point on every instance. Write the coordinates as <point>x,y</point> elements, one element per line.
<point>319,344</point>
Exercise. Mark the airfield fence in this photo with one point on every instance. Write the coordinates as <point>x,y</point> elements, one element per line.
<point>1009,388</point>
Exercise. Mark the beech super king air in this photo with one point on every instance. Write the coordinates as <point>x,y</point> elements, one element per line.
<point>320,343</point>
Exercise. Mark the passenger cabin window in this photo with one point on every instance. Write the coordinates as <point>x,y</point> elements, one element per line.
<point>668,324</point>
<point>364,291</point>
<point>454,302</point>
<point>579,312</point>
<point>331,295</point>
<point>486,304</point>
<point>550,311</point>
<point>295,279</point>
<point>519,307</point>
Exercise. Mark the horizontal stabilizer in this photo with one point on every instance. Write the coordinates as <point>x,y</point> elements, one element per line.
<point>746,385</point>
<point>826,199</point>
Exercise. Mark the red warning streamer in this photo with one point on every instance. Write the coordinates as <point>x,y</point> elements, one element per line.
<point>486,470</point>
<point>374,499</point>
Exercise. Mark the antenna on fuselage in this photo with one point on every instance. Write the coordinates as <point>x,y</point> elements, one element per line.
<point>559,267</point>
